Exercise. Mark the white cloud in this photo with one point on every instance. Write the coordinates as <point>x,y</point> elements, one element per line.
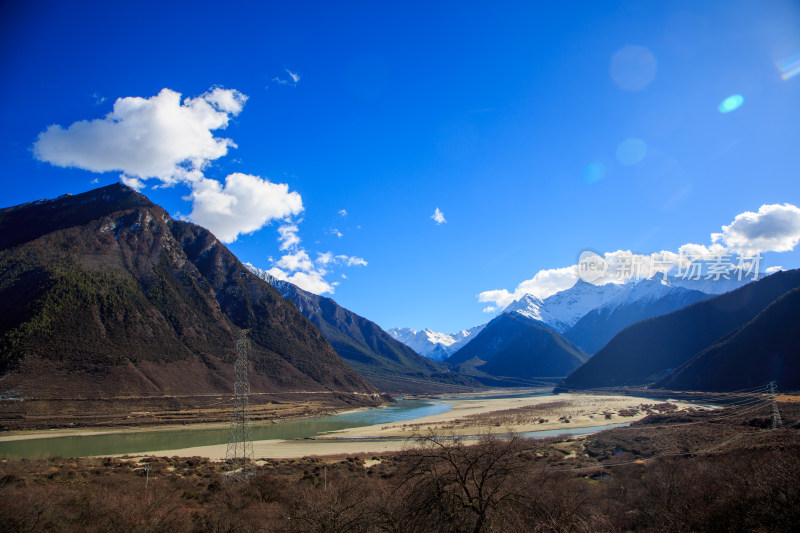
<point>287,235</point>
<point>774,228</point>
<point>325,258</point>
<point>308,281</point>
<point>545,283</point>
<point>158,137</point>
<point>294,78</point>
<point>351,261</point>
<point>298,268</point>
<point>438,216</point>
<point>173,141</point>
<point>343,212</point>
<point>772,270</point>
<point>245,204</point>
<point>336,232</point>
<point>297,261</point>
<point>489,309</point>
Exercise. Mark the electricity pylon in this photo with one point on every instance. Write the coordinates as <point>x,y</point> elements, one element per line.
<point>776,415</point>
<point>239,453</point>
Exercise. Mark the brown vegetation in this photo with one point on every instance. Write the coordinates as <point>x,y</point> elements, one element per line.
<point>669,472</point>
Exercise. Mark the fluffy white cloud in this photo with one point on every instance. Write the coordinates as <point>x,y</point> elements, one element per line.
<point>438,216</point>
<point>343,212</point>
<point>308,281</point>
<point>545,283</point>
<point>173,141</point>
<point>297,267</point>
<point>242,206</point>
<point>158,137</point>
<point>774,228</point>
<point>287,235</point>
<point>297,261</point>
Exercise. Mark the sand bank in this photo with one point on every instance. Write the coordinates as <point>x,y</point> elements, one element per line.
<point>466,417</point>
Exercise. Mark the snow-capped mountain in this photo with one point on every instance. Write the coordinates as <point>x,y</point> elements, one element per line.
<point>433,344</point>
<point>638,301</point>
<point>564,309</point>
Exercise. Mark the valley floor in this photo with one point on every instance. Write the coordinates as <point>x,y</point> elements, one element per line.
<point>467,417</point>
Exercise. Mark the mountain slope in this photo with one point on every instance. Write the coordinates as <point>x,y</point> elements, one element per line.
<point>765,349</point>
<point>514,346</point>
<point>433,344</point>
<point>387,363</point>
<point>648,350</point>
<point>645,299</point>
<point>106,296</point>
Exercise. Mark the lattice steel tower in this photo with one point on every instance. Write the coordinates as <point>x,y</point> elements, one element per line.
<point>239,454</point>
<point>776,415</point>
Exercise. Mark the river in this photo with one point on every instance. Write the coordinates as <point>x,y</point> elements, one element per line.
<point>151,440</point>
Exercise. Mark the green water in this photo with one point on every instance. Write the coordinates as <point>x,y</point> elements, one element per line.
<point>149,441</point>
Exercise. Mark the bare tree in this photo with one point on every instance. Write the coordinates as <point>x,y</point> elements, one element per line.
<point>450,486</point>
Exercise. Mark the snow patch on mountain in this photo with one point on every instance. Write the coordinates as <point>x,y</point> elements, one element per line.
<point>564,309</point>
<point>433,344</point>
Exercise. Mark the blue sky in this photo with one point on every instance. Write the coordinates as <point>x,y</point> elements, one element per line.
<point>510,118</point>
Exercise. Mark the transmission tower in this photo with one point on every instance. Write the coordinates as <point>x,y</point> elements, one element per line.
<point>239,454</point>
<point>776,415</point>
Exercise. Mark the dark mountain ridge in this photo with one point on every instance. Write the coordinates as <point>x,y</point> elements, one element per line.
<point>765,349</point>
<point>515,346</point>
<point>649,350</point>
<point>104,295</point>
<point>386,362</point>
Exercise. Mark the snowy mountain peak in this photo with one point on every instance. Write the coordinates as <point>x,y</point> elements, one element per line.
<point>564,309</point>
<point>433,344</point>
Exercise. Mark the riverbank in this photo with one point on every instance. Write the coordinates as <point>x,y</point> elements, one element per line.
<point>466,417</point>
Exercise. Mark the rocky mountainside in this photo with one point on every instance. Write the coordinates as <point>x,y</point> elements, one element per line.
<point>765,349</point>
<point>387,363</point>
<point>513,349</point>
<point>649,350</point>
<point>635,302</point>
<point>104,295</point>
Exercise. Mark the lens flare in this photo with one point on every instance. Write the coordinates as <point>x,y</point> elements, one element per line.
<point>731,103</point>
<point>633,68</point>
<point>594,172</point>
<point>789,67</point>
<point>631,151</point>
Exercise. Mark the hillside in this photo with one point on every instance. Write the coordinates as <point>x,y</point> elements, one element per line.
<point>596,328</point>
<point>387,363</point>
<point>648,350</point>
<point>514,346</point>
<point>765,349</point>
<point>106,296</point>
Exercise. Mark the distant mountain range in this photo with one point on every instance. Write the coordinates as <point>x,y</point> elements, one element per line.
<point>729,328</point>
<point>104,295</point>
<point>387,363</point>
<point>514,349</point>
<point>554,335</point>
<point>632,303</point>
<point>434,345</point>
